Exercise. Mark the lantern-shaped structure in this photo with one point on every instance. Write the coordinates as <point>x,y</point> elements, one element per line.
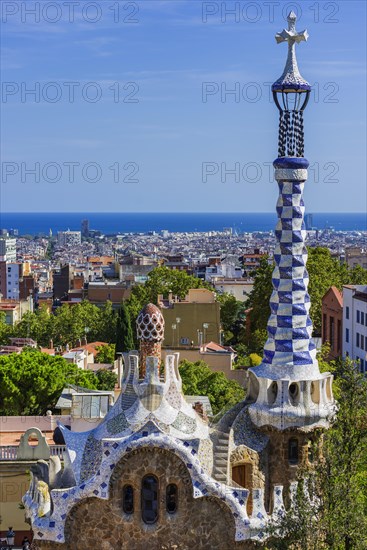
<point>291,93</point>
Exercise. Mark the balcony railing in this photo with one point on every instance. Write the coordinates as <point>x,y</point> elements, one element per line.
<point>10,452</point>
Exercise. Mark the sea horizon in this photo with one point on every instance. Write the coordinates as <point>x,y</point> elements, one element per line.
<point>34,223</point>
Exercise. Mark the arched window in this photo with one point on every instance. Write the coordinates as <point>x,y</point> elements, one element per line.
<point>171,498</point>
<point>149,499</point>
<point>293,451</point>
<point>128,499</point>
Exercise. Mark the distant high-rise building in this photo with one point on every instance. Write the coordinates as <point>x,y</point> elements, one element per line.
<point>62,282</point>
<point>8,249</point>
<point>308,221</point>
<point>69,238</point>
<point>85,228</point>
<point>10,272</point>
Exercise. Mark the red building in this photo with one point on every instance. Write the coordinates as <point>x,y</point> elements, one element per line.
<point>332,321</point>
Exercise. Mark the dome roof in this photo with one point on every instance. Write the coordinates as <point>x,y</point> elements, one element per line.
<point>150,324</point>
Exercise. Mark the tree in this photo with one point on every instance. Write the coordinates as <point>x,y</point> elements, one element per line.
<point>105,353</point>
<point>37,325</point>
<point>244,360</point>
<point>198,379</point>
<point>70,323</point>
<point>134,306</point>
<point>324,271</point>
<point>257,341</point>
<point>358,275</point>
<point>231,311</point>
<point>31,382</point>
<point>335,515</point>
<point>163,280</point>
<point>124,334</point>
<point>106,380</point>
<point>5,330</point>
<point>107,324</point>
<point>255,360</point>
<point>259,298</point>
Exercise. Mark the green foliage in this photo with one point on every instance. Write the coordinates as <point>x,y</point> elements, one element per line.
<point>134,305</point>
<point>255,360</point>
<point>257,341</point>
<point>106,354</point>
<point>163,280</point>
<point>357,276</point>
<point>70,322</point>
<point>68,325</point>
<point>299,528</point>
<point>336,514</point>
<point>232,317</point>
<point>6,331</point>
<point>322,355</point>
<point>31,383</point>
<point>252,360</point>
<point>345,462</point>
<point>198,379</point>
<point>36,325</point>
<point>124,334</point>
<point>324,272</point>
<point>106,380</point>
<point>107,324</point>
<point>260,296</point>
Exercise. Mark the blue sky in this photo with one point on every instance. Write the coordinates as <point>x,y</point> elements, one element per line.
<point>148,80</point>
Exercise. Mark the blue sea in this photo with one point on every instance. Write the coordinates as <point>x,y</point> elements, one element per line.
<point>112,223</point>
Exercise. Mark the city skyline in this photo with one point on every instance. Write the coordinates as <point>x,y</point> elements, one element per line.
<point>146,97</point>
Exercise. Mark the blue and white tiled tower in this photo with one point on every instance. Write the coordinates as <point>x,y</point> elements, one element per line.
<point>287,389</point>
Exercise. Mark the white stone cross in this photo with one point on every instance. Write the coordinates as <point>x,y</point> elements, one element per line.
<point>291,75</point>
<point>291,35</point>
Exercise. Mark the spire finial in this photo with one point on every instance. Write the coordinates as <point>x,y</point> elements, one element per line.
<point>291,35</point>
<point>291,79</point>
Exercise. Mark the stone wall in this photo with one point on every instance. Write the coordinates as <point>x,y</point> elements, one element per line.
<point>204,523</point>
<point>281,470</point>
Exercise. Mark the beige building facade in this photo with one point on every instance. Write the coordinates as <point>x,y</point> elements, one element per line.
<point>193,321</point>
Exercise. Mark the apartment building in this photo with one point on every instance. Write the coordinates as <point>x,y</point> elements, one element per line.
<point>355,323</point>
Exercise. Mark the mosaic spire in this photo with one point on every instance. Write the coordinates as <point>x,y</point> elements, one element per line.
<point>287,389</point>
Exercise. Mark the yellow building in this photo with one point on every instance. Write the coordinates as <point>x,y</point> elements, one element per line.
<point>193,321</point>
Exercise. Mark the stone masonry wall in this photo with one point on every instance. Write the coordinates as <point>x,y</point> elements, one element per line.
<point>281,470</point>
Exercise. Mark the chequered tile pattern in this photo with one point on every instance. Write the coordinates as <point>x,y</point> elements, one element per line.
<point>289,326</point>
